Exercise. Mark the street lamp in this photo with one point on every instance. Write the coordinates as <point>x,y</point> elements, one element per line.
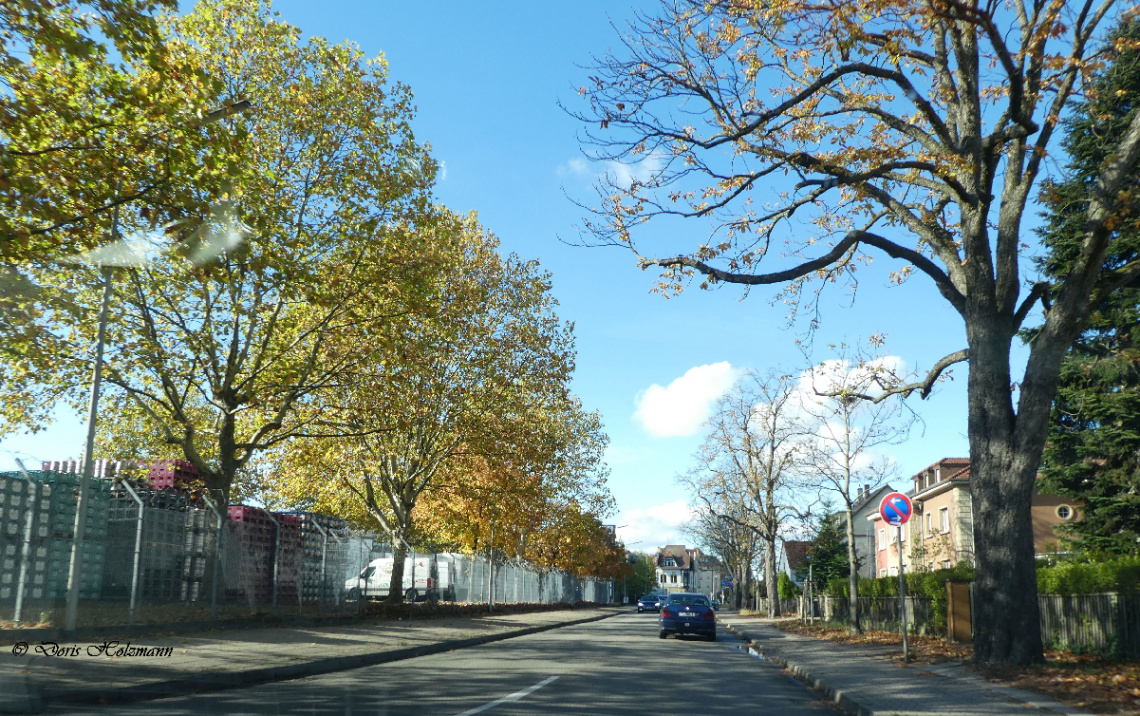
<point>75,566</point>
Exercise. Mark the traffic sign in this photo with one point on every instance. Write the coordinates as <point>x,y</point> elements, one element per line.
<point>896,508</point>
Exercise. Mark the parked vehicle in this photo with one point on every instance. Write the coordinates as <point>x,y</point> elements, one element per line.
<point>425,578</point>
<point>648,603</point>
<point>685,613</point>
<point>715,605</point>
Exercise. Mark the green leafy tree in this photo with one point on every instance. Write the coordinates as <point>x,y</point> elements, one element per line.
<point>786,588</point>
<point>1093,450</point>
<point>829,548</point>
<point>643,578</point>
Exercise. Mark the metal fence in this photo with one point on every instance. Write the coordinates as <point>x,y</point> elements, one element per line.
<point>160,556</point>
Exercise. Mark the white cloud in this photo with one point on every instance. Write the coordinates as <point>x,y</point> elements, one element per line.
<point>682,408</point>
<point>574,167</point>
<point>621,174</point>
<point>644,530</point>
<point>442,170</point>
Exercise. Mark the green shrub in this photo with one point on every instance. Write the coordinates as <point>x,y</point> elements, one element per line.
<point>786,588</point>
<point>1090,576</point>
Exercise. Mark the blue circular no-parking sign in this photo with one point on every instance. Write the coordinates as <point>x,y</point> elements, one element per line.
<point>896,508</point>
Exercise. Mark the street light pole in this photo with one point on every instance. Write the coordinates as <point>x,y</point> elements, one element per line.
<point>76,565</point>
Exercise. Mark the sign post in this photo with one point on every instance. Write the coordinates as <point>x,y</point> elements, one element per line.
<point>896,508</point>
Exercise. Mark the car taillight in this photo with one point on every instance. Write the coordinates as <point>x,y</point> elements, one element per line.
<point>709,615</point>
<point>429,583</point>
<point>665,612</point>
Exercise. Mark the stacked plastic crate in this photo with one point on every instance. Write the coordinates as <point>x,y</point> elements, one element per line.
<point>20,499</point>
<point>251,538</point>
<point>289,559</point>
<point>198,554</point>
<point>161,553</point>
<point>60,492</point>
<point>312,545</point>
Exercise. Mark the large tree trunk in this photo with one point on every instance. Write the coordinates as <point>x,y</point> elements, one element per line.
<point>396,586</point>
<point>853,576</point>
<point>1002,473</point>
<point>771,579</point>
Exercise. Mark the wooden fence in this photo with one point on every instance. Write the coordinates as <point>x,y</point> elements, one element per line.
<point>1101,623</point>
<point>878,612</point>
<point>1094,623</point>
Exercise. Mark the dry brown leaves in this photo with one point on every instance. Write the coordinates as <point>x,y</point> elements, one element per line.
<point>1096,684</point>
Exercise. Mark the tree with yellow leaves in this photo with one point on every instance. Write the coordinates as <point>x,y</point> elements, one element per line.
<point>471,389</point>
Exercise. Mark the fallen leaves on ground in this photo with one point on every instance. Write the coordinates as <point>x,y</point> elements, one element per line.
<point>1092,683</point>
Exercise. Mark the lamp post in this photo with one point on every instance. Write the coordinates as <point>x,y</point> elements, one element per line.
<point>75,567</point>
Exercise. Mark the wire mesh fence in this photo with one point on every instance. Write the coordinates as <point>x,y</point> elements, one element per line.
<point>160,555</point>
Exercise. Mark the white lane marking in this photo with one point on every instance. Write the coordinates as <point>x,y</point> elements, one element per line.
<point>507,699</point>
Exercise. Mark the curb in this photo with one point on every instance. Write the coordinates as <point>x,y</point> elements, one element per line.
<point>222,680</point>
<point>851,706</point>
<point>837,696</point>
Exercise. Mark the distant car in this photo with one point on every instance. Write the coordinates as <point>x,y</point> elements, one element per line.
<point>715,604</point>
<point>648,603</point>
<point>685,613</point>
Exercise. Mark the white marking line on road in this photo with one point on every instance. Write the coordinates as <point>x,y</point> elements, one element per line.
<point>507,699</point>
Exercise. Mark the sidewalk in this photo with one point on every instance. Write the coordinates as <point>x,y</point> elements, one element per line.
<point>82,672</point>
<point>871,681</point>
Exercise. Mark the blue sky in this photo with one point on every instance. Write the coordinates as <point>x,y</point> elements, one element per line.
<point>487,79</point>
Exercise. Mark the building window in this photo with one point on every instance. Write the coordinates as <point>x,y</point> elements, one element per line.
<point>882,539</point>
<point>673,578</point>
<point>944,518</point>
<point>1064,512</point>
<point>946,564</point>
<point>882,572</point>
<point>929,523</point>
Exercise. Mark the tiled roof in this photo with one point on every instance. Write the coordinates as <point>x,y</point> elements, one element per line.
<point>796,550</point>
<point>677,552</point>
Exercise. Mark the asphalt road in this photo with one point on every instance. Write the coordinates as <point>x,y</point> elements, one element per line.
<point>615,666</point>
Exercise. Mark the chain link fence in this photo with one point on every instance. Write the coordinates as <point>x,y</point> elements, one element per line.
<point>154,556</point>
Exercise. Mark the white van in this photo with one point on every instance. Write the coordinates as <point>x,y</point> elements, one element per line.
<point>424,578</point>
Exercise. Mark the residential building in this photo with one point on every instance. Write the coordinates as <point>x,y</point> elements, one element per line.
<point>940,532</point>
<point>795,560</point>
<point>680,569</point>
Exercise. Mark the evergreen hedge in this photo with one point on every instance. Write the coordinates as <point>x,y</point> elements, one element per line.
<point>1090,576</point>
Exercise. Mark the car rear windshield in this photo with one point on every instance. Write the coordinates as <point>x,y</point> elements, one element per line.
<point>689,600</point>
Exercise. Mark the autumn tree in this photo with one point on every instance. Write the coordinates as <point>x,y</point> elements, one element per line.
<point>94,94</point>
<point>745,468</point>
<point>481,371</point>
<point>98,108</point>
<point>1093,450</point>
<point>813,138</point>
<point>722,530</point>
<point>219,332</point>
<point>844,453</point>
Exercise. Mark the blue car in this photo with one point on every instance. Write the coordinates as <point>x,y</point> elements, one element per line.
<point>647,603</point>
<point>687,614</point>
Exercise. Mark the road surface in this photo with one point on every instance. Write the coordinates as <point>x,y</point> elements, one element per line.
<point>614,666</point>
